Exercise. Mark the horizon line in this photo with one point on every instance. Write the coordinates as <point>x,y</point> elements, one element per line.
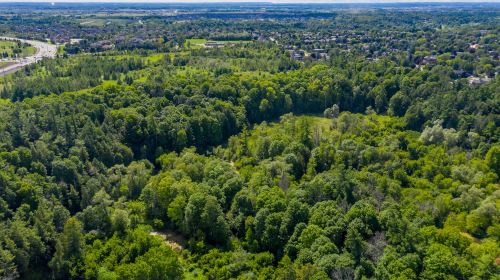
<point>252,1</point>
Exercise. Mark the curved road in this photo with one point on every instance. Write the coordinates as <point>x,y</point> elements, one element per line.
<point>43,50</point>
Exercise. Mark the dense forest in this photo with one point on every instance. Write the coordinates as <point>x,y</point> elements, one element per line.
<point>205,144</point>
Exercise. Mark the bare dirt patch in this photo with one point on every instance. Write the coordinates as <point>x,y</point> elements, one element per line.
<point>172,239</point>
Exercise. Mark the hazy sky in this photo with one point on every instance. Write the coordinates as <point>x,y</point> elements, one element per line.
<point>270,1</point>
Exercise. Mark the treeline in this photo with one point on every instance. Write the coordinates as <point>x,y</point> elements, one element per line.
<point>174,109</point>
<point>384,87</point>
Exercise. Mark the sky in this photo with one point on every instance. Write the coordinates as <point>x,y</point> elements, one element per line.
<point>269,1</point>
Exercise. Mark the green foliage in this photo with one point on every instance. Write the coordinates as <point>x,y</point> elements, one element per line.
<point>136,255</point>
<point>160,159</point>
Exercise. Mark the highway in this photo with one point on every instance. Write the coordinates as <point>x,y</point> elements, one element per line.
<point>43,50</point>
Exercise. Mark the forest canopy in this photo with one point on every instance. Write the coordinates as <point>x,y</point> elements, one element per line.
<point>243,143</point>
